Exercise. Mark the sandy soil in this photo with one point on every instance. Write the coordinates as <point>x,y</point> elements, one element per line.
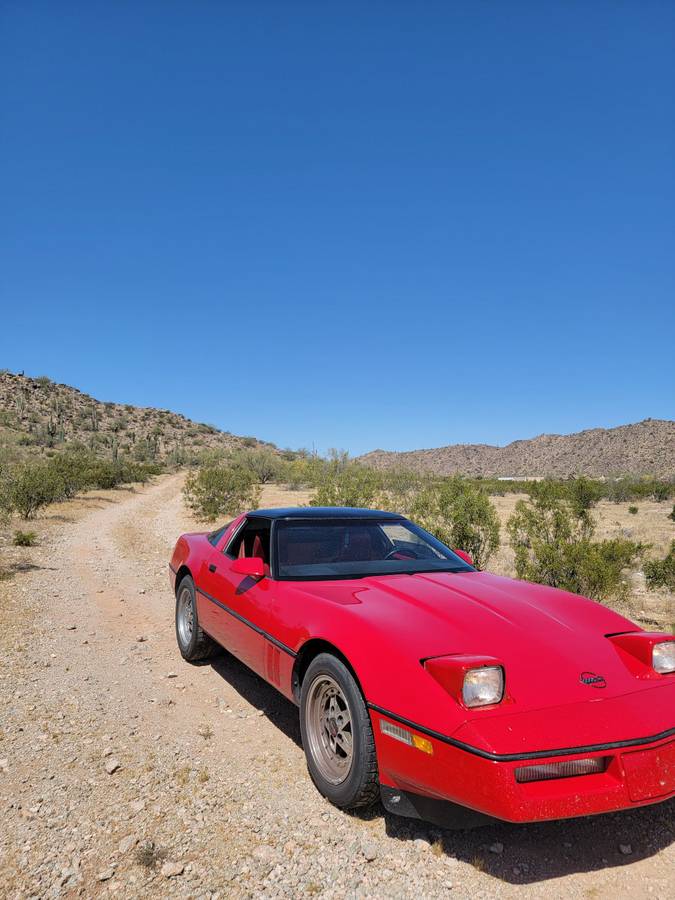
<point>125,771</point>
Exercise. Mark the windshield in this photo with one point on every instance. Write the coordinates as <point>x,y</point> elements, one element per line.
<point>355,548</point>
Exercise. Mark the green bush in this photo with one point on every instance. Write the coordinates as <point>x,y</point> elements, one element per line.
<point>633,510</point>
<point>580,491</point>
<point>5,496</point>
<point>461,516</point>
<point>671,515</point>
<point>661,572</point>
<point>304,472</point>
<point>33,486</point>
<point>551,538</point>
<point>348,485</point>
<point>71,469</point>
<point>214,491</point>
<point>24,539</point>
<point>263,463</point>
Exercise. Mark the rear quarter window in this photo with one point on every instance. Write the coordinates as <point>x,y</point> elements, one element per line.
<point>215,536</point>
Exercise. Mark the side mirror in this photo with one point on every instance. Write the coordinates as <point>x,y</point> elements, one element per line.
<point>252,566</point>
<point>465,556</point>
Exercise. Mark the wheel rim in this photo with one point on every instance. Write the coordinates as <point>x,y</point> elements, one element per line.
<point>186,616</point>
<point>329,729</point>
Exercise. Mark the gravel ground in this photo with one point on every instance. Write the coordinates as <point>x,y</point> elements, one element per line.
<point>125,771</point>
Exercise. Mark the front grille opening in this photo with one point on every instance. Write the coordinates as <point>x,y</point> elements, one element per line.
<point>568,769</point>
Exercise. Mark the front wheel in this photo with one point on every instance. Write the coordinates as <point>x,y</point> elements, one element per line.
<point>337,735</point>
<point>193,643</point>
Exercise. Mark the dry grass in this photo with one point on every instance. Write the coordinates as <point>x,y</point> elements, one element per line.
<point>148,855</point>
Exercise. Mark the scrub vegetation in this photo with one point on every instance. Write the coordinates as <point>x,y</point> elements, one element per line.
<point>660,573</point>
<point>28,486</point>
<point>24,538</point>
<point>552,536</point>
<point>220,490</point>
<point>56,442</point>
<point>552,531</point>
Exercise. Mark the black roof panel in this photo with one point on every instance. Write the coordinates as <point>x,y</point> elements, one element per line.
<point>324,512</point>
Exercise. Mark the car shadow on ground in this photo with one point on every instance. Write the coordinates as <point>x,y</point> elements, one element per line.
<point>526,854</point>
<point>517,854</point>
<point>261,695</point>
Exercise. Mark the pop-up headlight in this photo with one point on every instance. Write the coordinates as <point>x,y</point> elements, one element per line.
<point>484,686</point>
<point>663,657</point>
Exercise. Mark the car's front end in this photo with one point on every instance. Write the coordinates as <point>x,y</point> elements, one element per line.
<point>600,754</point>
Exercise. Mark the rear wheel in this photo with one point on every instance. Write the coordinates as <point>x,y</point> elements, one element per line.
<point>337,735</point>
<point>193,643</point>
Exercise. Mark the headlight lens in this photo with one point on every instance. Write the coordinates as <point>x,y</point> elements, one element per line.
<point>484,686</point>
<point>663,657</point>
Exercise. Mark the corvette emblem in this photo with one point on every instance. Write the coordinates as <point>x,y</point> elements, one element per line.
<point>596,681</point>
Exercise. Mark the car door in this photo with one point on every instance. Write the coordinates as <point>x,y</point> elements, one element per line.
<point>238,602</point>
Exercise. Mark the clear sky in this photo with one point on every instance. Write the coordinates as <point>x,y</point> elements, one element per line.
<point>382,224</point>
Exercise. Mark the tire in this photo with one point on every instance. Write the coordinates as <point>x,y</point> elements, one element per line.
<point>340,754</point>
<point>194,643</point>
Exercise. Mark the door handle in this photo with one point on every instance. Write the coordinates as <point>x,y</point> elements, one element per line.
<point>212,567</point>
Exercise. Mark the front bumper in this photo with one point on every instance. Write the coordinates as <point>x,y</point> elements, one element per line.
<point>633,776</point>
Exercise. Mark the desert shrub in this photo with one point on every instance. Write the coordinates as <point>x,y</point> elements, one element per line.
<point>214,491</point>
<point>582,493</point>
<point>303,472</point>
<point>623,490</point>
<point>583,489</point>
<point>671,515</point>
<point>5,496</point>
<point>461,515</point>
<point>660,491</point>
<point>33,486</point>
<point>551,538</point>
<point>30,487</point>
<point>144,450</point>
<point>71,469</point>
<point>104,475</point>
<point>633,510</point>
<point>661,572</point>
<point>43,380</point>
<point>263,463</point>
<point>24,539</point>
<point>400,489</point>
<point>347,485</point>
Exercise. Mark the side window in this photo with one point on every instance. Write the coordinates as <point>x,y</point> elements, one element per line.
<point>251,540</point>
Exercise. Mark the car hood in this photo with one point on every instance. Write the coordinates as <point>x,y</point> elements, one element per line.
<point>545,637</point>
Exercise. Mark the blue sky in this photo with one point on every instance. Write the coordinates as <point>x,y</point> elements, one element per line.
<point>358,225</point>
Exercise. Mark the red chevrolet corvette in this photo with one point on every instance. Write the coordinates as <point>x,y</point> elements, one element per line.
<point>452,694</point>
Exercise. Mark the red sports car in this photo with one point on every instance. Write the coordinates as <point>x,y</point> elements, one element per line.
<point>452,694</point>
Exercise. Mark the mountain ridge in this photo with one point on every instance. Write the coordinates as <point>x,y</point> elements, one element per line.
<point>640,448</point>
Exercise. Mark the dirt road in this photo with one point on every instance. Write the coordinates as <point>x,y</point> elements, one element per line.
<point>125,771</point>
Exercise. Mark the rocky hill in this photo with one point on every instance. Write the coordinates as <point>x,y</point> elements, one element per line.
<point>645,448</point>
<point>36,413</point>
